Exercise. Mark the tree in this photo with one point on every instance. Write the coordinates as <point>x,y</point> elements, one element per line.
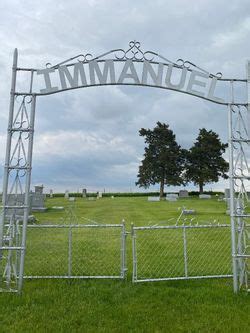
<point>204,161</point>
<point>163,158</point>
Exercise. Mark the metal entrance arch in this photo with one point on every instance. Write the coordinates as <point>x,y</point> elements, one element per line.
<point>117,67</point>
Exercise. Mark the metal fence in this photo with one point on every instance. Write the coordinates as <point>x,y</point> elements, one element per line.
<point>99,251</point>
<point>75,251</point>
<point>181,252</point>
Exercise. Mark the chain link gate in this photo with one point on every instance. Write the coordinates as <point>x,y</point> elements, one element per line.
<point>181,252</point>
<point>76,251</point>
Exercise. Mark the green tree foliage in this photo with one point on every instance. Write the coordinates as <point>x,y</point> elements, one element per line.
<point>163,158</point>
<point>204,161</point>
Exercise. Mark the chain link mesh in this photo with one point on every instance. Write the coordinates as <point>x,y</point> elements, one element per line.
<point>75,251</point>
<point>181,252</point>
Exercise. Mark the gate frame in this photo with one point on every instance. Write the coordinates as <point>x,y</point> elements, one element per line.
<point>184,245</point>
<point>70,227</point>
<point>18,159</point>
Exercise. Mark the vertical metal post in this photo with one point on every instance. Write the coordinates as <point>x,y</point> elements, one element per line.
<point>185,251</point>
<point>134,274</point>
<point>248,98</point>
<point>70,252</point>
<point>123,250</point>
<point>232,201</point>
<point>8,146</point>
<point>27,190</point>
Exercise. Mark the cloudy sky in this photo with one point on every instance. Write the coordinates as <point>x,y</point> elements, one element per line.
<point>88,138</point>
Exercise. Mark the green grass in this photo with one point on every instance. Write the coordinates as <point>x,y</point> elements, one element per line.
<point>133,210</point>
<point>120,306</point>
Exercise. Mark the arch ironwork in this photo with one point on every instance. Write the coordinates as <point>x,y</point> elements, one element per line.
<point>132,66</point>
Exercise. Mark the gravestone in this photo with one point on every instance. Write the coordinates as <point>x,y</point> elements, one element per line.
<point>51,193</point>
<point>58,207</point>
<point>39,189</point>
<point>153,199</point>
<point>36,202</point>
<point>99,195</point>
<point>171,197</point>
<point>183,194</point>
<point>84,192</point>
<point>66,195</point>
<point>17,200</point>
<point>38,199</point>
<point>188,211</point>
<point>204,196</point>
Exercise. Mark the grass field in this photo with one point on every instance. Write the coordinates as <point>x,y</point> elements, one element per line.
<point>120,306</point>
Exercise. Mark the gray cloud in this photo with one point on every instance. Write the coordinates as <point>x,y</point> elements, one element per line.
<point>89,137</point>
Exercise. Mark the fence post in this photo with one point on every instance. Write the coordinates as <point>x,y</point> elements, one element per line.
<point>123,250</point>
<point>133,235</point>
<point>185,251</point>
<point>70,252</point>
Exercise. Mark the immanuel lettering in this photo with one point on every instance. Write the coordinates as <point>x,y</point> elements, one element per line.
<point>109,72</point>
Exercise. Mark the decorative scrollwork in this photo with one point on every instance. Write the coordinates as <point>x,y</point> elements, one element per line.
<point>80,57</point>
<point>189,65</point>
<point>134,53</point>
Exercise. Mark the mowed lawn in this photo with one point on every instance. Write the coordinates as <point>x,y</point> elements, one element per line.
<point>114,305</point>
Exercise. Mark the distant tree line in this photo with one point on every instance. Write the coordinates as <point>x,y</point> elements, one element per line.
<point>166,163</point>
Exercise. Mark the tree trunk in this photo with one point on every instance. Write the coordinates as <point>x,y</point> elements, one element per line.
<point>201,187</point>
<point>162,189</point>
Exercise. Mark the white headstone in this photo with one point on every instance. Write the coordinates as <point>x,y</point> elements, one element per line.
<point>172,195</point>
<point>205,196</point>
<point>153,198</point>
<point>172,199</point>
<point>66,196</point>
<point>51,193</point>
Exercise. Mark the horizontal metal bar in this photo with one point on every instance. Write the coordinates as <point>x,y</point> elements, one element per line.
<point>129,84</point>
<point>18,168</point>
<point>23,130</point>
<point>185,278</point>
<point>242,256</point>
<point>240,140</point>
<point>183,227</point>
<point>241,215</point>
<point>71,277</point>
<point>8,290</point>
<point>12,248</point>
<point>14,207</point>
<point>241,177</point>
<point>74,226</point>
<point>26,69</point>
